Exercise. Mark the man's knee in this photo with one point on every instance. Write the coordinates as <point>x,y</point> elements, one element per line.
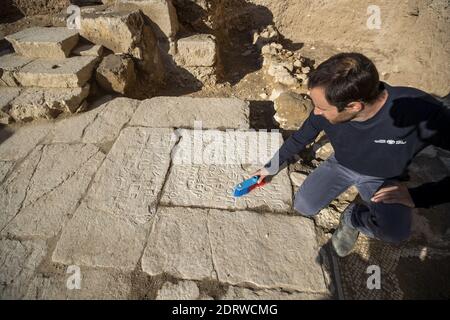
<point>304,207</point>
<point>394,225</point>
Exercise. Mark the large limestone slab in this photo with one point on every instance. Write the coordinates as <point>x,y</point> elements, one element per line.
<point>39,103</point>
<point>64,73</point>
<point>130,180</point>
<point>179,245</point>
<point>197,51</point>
<point>271,251</point>
<point>18,143</point>
<point>9,64</point>
<point>207,165</point>
<point>39,42</point>
<point>55,189</point>
<point>18,262</point>
<point>94,285</point>
<point>266,250</point>
<point>100,239</point>
<point>103,124</point>
<point>183,290</point>
<point>161,13</point>
<point>182,112</point>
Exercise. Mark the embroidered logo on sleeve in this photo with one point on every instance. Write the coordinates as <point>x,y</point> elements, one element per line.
<point>391,142</point>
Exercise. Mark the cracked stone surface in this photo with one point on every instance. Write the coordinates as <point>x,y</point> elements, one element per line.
<point>18,143</point>
<point>130,180</point>
<point>266,250</point>
<point>9,63</point>
<point>100,239</point>
<point>100,125</point>
<point>94,285</point>
<point>52,198</point>
<point>183,290</point>
<point>209,180</point>
<point>18,261</point>
<point>181,112</point>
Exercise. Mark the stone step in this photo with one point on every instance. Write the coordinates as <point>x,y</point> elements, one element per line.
<point>26,104</point>
<point>40,42</point>
<point>47,73</point>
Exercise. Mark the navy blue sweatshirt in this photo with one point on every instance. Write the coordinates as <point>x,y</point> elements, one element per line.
<point>384,145</point>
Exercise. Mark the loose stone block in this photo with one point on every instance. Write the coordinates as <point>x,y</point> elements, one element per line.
<point>94,50</point>
<point>67,73</point>
<point>117,74</point>
<point>197,51</point>
<point>39,42</point>
<point>99,239</point>
<point>182,112</point>
<point>18,262</point>
<point>130,180</point>
<point>9,64</point>
<point>55,189</point>
<point>207,165</point>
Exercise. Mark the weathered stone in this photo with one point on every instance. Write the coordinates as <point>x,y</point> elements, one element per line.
<point>94,50</point>
<point>183,290</point>
<point>41,7</point>
<point>20,142</point>
<point>66,73</point>
<point>206,75</point>
<point>429,152</point>
<point>9,64</point>
<point>292,110</point>
<point>130,180</point>
<point>282,75</point>
<point>94,285</point>
<point>161,13</point>
<point>270,251</point>
<point>274,251</point>
<point>236,293</point>
<point>297,178</point>
<point>5,166</point>
<point>189,257</point>
<point>117,74</point>
<point>6,96</point>
<point>103,124</point>
<point>208,165</point>
<point>49,43</point>
<point>182,112</point>
<point>100,239</point>
<point>57,185</point>
<point>35,103</point>
<point>18,261</point>
<point>197,51</point>
<point>323,149</point>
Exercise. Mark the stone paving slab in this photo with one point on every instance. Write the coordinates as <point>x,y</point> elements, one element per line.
<point>62,73</point>
<point>55,189</point>
<point>18,262</point>
<point>94,285</point>
<point>99,239</point>
<point>266,250</point>
<point>39,42</point>
<point>19,143</point>
<point>182,112</point>
<point>183,290</point>
<point>202,183</point>
<point>103,124</point>
<point>130,180</point>
<point>9,63</point>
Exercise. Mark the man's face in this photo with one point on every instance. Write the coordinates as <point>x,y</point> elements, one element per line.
<point>330,112</point>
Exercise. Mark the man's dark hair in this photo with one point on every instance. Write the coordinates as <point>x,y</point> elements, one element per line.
<point>347,77</point>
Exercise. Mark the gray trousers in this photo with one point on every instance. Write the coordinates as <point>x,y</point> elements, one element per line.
<point>386,222</point>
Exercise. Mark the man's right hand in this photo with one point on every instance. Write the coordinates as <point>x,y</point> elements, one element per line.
<point>262,173</point>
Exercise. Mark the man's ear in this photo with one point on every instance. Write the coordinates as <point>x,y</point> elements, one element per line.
<point>355,106</point>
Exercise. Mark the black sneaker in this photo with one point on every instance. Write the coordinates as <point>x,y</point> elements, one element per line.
<point>345,236</point>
